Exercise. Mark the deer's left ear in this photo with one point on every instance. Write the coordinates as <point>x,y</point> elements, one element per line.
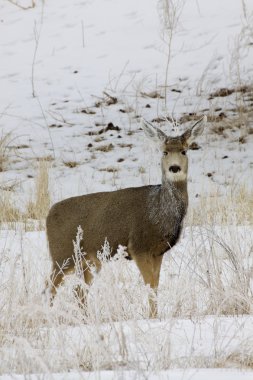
<point>196,130</point>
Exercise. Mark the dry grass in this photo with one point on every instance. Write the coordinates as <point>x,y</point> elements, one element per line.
<point>105,148</point>
<point>17,4</point>
<point>228,91</point>
<point>9,212</point>
<point>38,209</point>
<point>5,141</point>
<point>125,145</point>
<point>110,169</point>
<point>48,158</point>
<point>236,208</point>
<point>71,164</point>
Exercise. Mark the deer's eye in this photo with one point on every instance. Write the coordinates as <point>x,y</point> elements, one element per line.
<point>165,153</point>
<point>183,152</point>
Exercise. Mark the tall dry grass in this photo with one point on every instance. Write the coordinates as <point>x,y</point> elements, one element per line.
<point>37,207</point>
<point>9,212</point>
<point>5,141</point>
<point>234,208</point>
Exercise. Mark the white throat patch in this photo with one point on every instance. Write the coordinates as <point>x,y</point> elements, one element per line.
<point>175,177</point>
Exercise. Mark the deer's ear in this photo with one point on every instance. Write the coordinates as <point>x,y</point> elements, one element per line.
<point>152,132</point>
<point>196,130</point>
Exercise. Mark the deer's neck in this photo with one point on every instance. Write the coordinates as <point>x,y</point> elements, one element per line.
<point>177,189</point>
<point>174,198</point>
<point>168,204</point>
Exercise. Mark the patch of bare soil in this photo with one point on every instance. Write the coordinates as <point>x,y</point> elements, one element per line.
<point>105,148</point>
<point>71,164</point>
<point>87,111</point>
<point>110,127</point>
<point>107,100</point>
<point>228,91</point>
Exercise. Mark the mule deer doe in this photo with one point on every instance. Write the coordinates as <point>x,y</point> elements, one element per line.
<point>147,219</point>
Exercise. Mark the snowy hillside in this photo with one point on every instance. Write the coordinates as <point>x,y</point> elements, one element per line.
<point>76,79</point>
<point>68,54</point>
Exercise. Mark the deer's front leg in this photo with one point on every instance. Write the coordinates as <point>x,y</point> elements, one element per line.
<point>150,267</point>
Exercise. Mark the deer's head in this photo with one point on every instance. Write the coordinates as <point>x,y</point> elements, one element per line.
<point>174,149</point>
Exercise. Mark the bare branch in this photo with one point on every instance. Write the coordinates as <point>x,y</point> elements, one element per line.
<point>22,6</point>
<point>170,12</point>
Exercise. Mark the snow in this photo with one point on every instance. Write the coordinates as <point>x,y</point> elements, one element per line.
<point>195,374</point>
<point>58,338</point>
<point>86,48</point>
<point>124,54</point>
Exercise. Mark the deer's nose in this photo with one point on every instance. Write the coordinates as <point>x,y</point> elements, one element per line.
<point>174,169</point>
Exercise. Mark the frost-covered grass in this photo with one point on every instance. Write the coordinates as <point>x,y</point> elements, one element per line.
<point>204,300</point>
<point>76,82</point>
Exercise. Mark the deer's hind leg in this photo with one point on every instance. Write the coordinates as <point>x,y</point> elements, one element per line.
<point>56,279</point>
<point>82,291</point>
<point>150,267</point>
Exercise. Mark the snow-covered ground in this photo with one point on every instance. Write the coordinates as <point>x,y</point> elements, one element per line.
<point>195,374</point>
<point>205,311</point>
<point>84,48</point>
<point>67,70</point>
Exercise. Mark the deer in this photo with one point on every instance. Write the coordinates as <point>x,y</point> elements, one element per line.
<point>147,220</point>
